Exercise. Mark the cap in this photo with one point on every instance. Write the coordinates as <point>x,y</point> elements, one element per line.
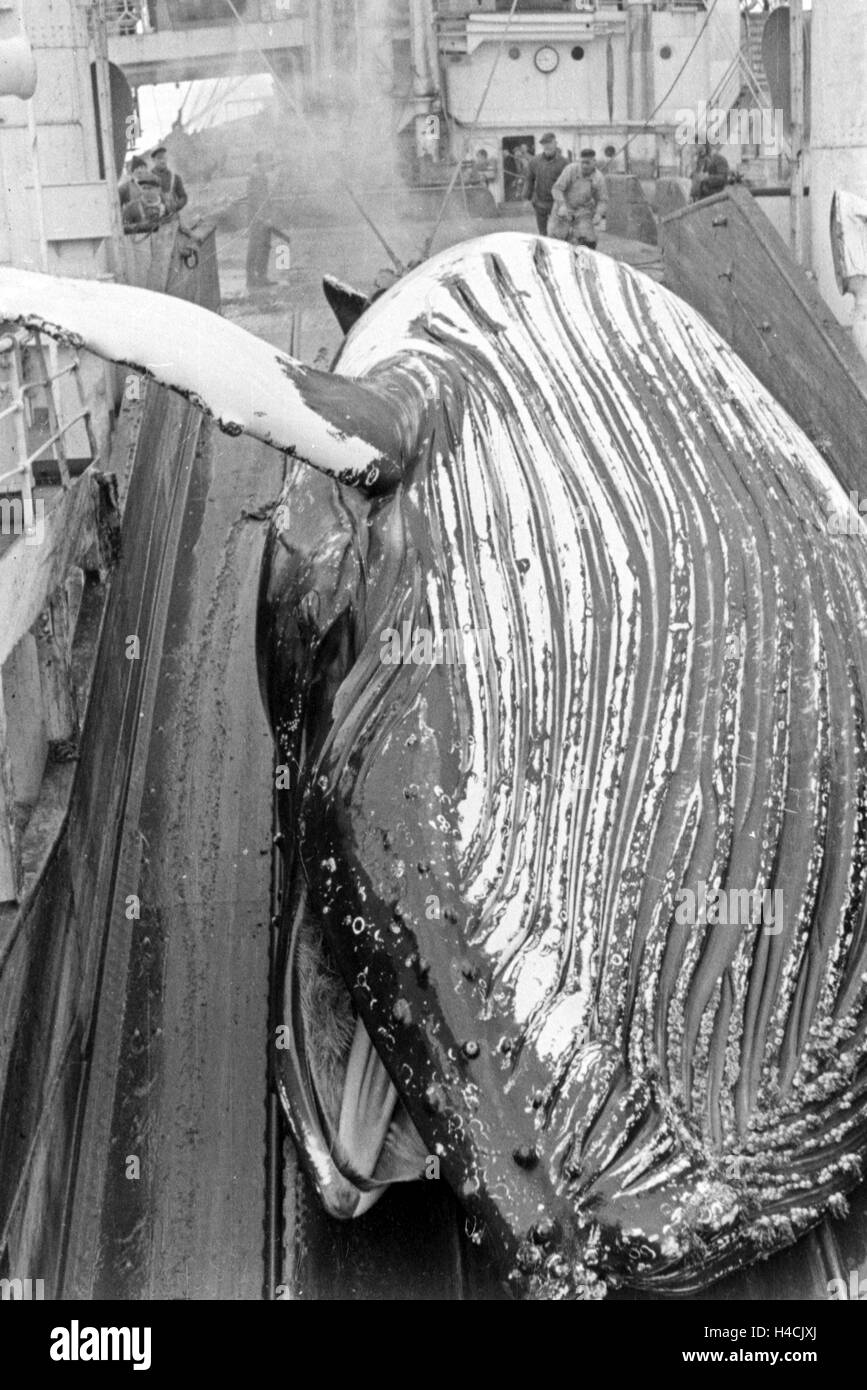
<point>549,138</point>
<point>588,154</point>
<point>138,162</point>
<point>158,149</point>
<point>148,181</point>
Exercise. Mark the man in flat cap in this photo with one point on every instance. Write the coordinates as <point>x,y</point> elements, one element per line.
<point>580,202</point>
<point>171,184</point>
<point>145,208</point>
<point>127,188</point>
<point>542,173</point>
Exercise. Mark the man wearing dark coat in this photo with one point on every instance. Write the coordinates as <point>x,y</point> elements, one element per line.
<point>543,172</point>
<point>710,175</point>
<point>171,184</point>
<point>260,219</point>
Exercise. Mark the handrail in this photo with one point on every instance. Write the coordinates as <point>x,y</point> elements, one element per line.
<point>14,345</point>
<point>740,64</point>
<point>47,443</point>
<point>126,17</point>
<point>46,380</point>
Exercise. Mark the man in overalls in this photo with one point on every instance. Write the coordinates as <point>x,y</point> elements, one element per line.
<point>580,202</point>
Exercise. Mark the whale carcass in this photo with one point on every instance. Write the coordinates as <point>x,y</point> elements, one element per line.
<point>562,643</point>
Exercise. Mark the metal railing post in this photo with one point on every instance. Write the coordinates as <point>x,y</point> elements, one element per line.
<point>10,846</point>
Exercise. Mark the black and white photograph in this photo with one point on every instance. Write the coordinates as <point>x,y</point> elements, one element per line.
<point>433,665</point>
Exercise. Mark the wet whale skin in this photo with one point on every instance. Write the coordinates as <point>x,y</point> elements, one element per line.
<point>661,696</point>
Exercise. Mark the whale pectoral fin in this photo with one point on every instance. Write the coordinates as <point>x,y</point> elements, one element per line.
<point>377,1140</point>
<point>348,304</point>
<point>367,1105</point>
<point>351,1127</point>
<point>346,428</point>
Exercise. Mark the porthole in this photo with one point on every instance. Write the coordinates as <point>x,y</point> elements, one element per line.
<point>514,51</point>
<point>665,51</point>
<point>577,53</point>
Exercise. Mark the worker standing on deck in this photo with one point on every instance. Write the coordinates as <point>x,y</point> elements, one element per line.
<point>171,184</point>
<point>580,202</point>
<point>522,166</point>
<point>542,174</point>
<point>710,175</point>
<point>259,213</point>
<point>128,189</point>
<point>145,209</point>
<point>483,169</point>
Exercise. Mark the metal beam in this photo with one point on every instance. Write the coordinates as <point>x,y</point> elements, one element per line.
<point>181,55</point>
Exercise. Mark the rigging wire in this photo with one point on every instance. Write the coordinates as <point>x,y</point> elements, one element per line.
<point>185,100</point>
<point>224,88</point>
<point>678,75</point>
<point>458,171</point>
<point>342,179</point>
<point>474,123</point>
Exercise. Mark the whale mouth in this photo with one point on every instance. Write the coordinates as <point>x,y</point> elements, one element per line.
<point>350,1125</point>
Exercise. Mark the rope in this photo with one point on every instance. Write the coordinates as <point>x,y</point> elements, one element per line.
<point>342,179</point>
<point>678,75</point>
<point>223,89</point>
<point>185,100</point>
<point>473,124</point>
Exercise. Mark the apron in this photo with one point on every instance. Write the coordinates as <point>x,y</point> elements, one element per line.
<point>580,200</point>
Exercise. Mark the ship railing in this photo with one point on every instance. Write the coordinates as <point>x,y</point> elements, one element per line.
<point>127,17</point>
<point>22,395</point>
<point>45,552</point>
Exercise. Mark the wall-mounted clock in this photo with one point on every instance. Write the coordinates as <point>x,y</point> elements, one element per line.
<point>546,58</point>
